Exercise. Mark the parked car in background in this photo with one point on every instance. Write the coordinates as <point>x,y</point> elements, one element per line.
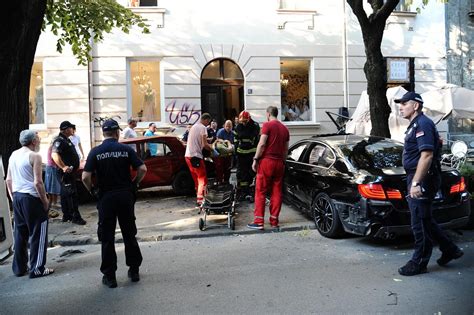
<point>357,184</point>
<point>167,166</point>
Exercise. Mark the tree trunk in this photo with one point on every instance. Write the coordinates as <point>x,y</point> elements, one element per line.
<point>375,72</point>
<point>20,28</point>
<point>373,27</point>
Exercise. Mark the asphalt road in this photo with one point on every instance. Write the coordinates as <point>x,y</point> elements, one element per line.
<point>287,273</point>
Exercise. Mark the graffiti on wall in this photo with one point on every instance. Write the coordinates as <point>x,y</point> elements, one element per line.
<point>182,113</point>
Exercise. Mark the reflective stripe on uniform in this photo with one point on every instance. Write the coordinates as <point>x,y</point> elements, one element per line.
<point>244,151</point>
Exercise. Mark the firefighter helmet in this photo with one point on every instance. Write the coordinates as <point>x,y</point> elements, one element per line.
<point>244,116</point>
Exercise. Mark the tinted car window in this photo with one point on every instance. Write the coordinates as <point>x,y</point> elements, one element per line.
<point>378,154</point>
<point>296,152</point>
<point>320,155</point>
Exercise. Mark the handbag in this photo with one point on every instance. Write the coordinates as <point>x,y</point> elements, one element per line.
<point>195,162</point>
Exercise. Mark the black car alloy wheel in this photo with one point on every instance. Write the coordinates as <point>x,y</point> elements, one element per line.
<point>325,216</point>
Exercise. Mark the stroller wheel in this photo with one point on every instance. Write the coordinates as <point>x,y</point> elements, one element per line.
<point>201,224</point>
<point>232,223</point>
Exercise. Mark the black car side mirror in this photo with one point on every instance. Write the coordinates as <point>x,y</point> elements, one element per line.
<point>341,166</point>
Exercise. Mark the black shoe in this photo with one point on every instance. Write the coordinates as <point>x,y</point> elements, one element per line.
<point>134,275</point>
<point>255,226</point>
<point>66,218</point>
<point>21,274</point>
<point>109,281</point>
<point>447,257</point>
<point>38,274</point>
<point>79,221</point>
<point>412,269</point>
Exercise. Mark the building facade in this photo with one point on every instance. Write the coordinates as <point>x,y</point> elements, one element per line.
<point>305,57</point>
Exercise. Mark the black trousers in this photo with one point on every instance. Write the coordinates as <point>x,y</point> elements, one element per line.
<point>245,174</point>
<point>112,206</point>
<point>69,196</point>
<point>424,227</point>
<point>31,226</point>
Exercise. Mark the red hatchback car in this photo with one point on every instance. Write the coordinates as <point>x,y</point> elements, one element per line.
<point>166,166</point>
<point>164,159</point>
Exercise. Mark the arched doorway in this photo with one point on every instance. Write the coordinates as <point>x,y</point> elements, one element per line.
<point>222,90</point>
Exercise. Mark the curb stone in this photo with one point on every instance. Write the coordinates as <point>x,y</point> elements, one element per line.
<point>170,237</point>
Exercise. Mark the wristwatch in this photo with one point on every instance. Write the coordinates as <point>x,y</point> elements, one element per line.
<point>415,184</point>
<point>255,159</point>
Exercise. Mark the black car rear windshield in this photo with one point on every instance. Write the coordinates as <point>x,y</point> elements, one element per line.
<point>369,154</point>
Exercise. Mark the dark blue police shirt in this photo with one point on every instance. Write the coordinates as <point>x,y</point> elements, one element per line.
<point>421,135</point>
<point>111,162</point>
<point>66,150</point>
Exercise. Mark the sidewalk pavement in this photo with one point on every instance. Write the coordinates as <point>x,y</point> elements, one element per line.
<point>160,215</point>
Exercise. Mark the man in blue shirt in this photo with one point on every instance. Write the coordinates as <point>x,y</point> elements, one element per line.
<point>421,162</point>
<point>111,162</point>
<point>152,147</point>
<point>226,132</point>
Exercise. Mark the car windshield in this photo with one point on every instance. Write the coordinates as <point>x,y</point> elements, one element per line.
<point>374,153</point>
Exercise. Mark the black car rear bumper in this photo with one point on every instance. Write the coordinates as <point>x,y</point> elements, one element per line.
<point>390,232</point>
<point>381,220</point>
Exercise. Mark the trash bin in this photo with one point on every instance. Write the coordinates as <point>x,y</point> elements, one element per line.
<point>6,236</point>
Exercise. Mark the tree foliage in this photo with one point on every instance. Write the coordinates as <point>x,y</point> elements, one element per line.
<point>76,22</point>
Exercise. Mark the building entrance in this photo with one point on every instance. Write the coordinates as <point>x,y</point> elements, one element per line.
<point>222,90</point>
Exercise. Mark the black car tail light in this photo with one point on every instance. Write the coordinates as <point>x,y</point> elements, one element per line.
<point>378,192</point>
<point>458,187</point>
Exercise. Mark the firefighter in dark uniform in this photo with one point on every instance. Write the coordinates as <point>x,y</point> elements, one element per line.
<point>421,156</point>
<point>246,136</point>
<point>65,156</point>
<point>111,162</point>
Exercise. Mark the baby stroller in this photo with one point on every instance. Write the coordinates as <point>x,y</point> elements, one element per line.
<point>220,197</point>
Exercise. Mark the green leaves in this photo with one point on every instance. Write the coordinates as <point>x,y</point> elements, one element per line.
<point>78,22</point>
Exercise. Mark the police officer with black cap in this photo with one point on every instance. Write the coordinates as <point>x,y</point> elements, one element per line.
<point>111,163</point>
<point>65,156</point>
<point>421,156</point>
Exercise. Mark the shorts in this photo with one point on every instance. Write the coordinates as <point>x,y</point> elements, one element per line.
<point>51,181</point>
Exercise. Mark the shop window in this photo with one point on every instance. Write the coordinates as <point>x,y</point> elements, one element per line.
<point>36,100</point>
<point>145,90</point>
<point>294,85</point>
<point>142,3</point>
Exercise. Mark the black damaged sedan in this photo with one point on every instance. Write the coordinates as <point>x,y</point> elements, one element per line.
<point>357,184</point>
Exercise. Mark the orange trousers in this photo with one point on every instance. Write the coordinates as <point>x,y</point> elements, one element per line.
<point>199,177</point>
